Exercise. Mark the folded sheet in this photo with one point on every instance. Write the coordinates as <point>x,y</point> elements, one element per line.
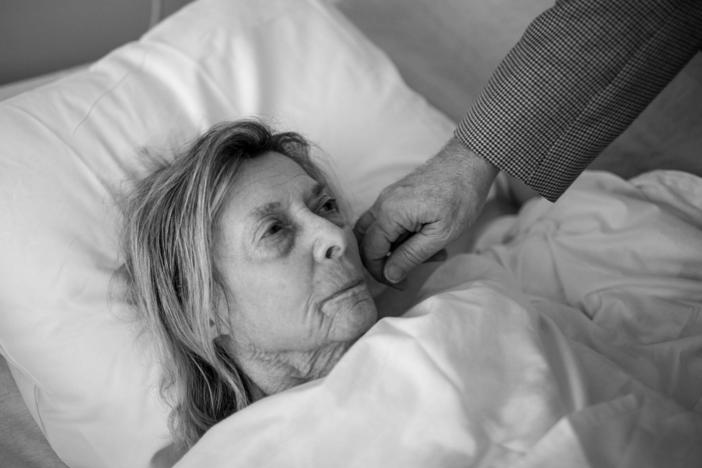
<point>572,338</point>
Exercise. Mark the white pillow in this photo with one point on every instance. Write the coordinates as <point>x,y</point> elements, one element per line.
<point>87,370</point>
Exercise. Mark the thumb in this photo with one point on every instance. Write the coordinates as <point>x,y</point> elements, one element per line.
<point>416,249</point>
<point>362,224</point>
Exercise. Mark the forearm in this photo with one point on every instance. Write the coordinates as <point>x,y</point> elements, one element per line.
<point>579,76</point>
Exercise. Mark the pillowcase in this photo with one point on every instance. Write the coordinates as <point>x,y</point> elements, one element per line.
<point>87,369</point>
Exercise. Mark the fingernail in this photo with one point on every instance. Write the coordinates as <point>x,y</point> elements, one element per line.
<point>393,274</point>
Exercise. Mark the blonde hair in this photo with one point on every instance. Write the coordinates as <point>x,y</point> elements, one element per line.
<point>168,245</point>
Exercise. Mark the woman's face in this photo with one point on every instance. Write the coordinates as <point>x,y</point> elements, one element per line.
<point>289,262</point>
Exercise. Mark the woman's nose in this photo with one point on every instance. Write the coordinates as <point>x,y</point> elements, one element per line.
<point>330,241</point>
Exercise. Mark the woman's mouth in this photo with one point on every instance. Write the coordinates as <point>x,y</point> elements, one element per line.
<point>351,288</point>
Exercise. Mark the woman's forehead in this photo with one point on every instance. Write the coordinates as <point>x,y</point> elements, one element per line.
<point>268,182</point>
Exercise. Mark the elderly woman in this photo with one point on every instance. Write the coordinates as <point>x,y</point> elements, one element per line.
<point>246,269</point>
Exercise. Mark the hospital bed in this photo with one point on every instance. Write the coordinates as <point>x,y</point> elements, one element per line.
<point>377,85</point>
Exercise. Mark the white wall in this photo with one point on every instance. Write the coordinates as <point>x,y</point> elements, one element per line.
<point>445,49</point>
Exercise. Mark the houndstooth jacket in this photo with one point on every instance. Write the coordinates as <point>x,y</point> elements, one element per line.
<point>581,73</point>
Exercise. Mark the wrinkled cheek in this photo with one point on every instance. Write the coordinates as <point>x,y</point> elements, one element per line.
<point>286,291</point>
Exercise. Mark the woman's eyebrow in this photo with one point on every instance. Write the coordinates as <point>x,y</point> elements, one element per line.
<point>271,207</point>
<point>317,189</point>
<point>264,210</point>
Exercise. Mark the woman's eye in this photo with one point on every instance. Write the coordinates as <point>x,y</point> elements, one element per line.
<point>329,206</point>
<point>273,229</point>
<point>277,238</point>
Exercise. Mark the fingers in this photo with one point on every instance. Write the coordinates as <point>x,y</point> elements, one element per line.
<point>377,242</point>
<point>370,258</point>
<point>362,225</point>
<point>380,243</point>
<point>383,238</point>
<point>418,248</point>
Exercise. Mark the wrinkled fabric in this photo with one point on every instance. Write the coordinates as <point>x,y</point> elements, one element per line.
<point>572,338</point>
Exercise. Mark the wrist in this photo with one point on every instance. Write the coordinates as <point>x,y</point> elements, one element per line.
<point>469,164</point>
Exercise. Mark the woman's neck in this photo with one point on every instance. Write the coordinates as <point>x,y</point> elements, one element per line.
<point>270,373</point>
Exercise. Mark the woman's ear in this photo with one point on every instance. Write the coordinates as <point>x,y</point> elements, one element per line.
<point>213,329</point>
<point>219,321</point>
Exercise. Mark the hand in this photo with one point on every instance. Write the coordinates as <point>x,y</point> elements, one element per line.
<point>419,215</point>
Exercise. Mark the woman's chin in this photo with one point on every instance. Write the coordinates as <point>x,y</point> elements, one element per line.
<point>363,317</point>
<point>355,316</point>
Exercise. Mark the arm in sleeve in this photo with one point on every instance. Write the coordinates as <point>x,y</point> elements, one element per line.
<point>580,74</point>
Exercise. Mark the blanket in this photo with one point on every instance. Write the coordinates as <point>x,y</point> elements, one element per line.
<point>572,337</point>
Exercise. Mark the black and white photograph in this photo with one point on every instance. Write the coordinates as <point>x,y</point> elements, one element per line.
<point>350,233</point>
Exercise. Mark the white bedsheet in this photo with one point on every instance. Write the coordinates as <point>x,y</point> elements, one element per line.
<point>574,338</point>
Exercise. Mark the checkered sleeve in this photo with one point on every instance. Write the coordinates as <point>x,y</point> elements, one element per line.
<point>581,73</point>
